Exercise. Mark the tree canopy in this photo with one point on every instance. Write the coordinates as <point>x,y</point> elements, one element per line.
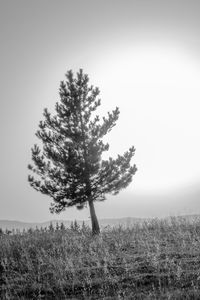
<point>69,165</point>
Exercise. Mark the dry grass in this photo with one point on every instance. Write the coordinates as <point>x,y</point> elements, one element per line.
<point>155,260</point>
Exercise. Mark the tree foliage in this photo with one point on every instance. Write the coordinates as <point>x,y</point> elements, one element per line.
<point>69,168</point>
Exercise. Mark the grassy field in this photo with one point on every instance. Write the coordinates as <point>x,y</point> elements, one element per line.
<point>155,260</point>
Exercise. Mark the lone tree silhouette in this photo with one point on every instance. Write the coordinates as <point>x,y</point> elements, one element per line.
<point>69,168</point>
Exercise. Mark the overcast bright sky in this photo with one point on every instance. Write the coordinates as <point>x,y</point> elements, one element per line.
<point>144,57</point>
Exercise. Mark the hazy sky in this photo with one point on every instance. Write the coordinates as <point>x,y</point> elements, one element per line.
<point>144,57</point>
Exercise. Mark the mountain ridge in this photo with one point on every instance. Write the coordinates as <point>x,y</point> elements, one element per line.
<point>14,224</point>
<point>124,221</point>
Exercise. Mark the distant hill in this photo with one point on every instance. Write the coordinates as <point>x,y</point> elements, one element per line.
<point>127,221</point>
<point>9,224</point>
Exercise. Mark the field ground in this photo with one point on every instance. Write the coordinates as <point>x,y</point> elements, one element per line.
<point>159,259</point>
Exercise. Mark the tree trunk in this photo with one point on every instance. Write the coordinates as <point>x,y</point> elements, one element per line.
<point>94,220</point>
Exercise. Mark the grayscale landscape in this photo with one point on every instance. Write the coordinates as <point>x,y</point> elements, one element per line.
<point>99,149</point>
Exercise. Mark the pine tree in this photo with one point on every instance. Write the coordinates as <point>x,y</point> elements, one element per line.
<point>57,226</point>
<point>62,226</point>
<point>51,228</point>
<point>69,168</point>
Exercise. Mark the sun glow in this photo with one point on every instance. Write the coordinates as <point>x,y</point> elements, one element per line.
<point>157,90</point>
